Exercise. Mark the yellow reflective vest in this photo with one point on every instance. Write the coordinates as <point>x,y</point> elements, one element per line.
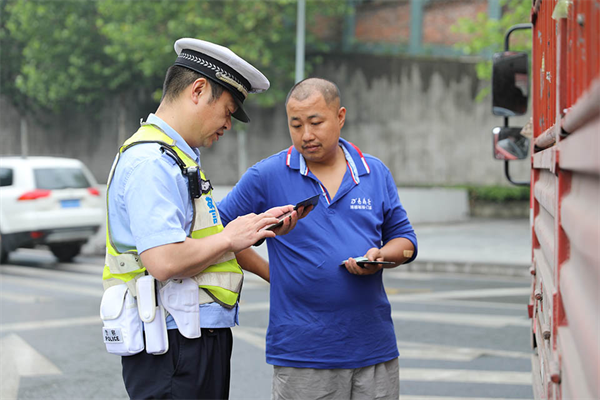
<point>220,282</point>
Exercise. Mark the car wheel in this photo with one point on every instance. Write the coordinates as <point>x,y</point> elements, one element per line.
<point>65,252</point>
<point>3,252</point>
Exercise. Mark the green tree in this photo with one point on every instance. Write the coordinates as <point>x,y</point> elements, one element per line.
<point>69,53</point>
<point>486,35</point>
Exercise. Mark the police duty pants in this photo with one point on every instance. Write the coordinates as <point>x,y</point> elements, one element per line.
<point>191,369</point>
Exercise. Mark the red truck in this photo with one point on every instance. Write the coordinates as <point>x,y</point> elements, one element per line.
<point>565,187</point>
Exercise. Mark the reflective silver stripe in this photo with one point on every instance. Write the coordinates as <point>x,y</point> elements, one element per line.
<point>203,297</point>
<point>226,280</point>
<point>225,257</point>
<point>123,263</point>
<point>111,282</point>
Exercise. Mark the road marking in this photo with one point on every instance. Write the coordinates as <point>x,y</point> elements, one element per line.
<point>20,359</point>
<point>473,304</point>
<point>479,320</point>
<point>52,274</point>
<point>254,306</point>
<point>410,397</point>
<point>51,323</point>
<point>54,286</point>
<point>248,336</point>
<point>23,298</point>
<point>465,376</point>
<point>425,351</point>
<point>463,294</point>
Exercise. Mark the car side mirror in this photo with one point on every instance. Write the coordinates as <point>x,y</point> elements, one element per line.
<point>510,83</point>
<point>509,144</point>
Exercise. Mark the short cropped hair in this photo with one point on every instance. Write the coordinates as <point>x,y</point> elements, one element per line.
<point>178,78</point>
<point>307,87</point>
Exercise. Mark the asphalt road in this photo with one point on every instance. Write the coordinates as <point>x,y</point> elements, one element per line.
<point>460,336</point>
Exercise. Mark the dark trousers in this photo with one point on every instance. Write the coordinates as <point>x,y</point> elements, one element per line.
<point>191,369</point>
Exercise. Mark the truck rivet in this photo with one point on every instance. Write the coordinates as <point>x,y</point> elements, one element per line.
<point>581,19</point>
<point>546,332</point>
<point>538,295</point>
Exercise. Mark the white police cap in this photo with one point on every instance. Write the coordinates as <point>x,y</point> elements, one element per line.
<point>224,67</point>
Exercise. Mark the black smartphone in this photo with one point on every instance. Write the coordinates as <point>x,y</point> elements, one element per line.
<point>363,262</point>
<point>311,201</point>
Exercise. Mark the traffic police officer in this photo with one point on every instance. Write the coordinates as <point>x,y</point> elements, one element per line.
<point>163,223</point>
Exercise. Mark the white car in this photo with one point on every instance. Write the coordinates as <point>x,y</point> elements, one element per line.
<point>47,201</point>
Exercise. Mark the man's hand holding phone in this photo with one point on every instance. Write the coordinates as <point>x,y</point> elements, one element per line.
<point>371,263</point>
<point>288,216</point>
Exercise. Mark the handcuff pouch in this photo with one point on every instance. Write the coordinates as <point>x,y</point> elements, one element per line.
<point>180,299</point>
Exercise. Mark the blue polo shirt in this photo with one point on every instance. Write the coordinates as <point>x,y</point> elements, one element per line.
<point>149,205</point>
<point>321,316</point>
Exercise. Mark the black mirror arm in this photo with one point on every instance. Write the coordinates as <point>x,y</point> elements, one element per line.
<point>513,28</point>
<point>526,183</point>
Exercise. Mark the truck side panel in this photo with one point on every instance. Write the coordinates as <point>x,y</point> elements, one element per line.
<point>565,201</point>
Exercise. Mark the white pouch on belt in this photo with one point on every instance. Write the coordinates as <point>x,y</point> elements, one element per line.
<point>180,299</point>
<point>152,315</point>
<point>122,328</point>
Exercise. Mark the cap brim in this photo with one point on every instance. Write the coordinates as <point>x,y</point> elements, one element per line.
<point>240,114</point>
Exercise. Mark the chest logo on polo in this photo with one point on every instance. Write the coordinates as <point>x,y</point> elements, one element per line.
<point>212,209</point>
<point>360,203</point>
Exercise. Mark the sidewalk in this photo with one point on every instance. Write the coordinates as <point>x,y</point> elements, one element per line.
<point>484,246</point>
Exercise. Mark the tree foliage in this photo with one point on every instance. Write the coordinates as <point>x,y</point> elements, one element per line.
<point>64,53</point>
<point>486,35</point>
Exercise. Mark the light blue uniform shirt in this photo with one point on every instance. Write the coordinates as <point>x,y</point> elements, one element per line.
<point>149,205</point>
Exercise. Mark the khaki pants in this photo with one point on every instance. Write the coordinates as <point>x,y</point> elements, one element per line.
<point>379,381</point>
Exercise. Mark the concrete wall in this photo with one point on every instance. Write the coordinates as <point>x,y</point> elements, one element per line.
<point>419,116</point>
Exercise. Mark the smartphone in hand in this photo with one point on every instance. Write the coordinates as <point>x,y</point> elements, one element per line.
<point>311,201</point>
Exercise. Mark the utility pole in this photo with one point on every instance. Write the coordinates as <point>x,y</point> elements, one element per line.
<point>300,26</point>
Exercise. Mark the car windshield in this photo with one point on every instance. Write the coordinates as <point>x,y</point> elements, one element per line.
<point>60,178</point>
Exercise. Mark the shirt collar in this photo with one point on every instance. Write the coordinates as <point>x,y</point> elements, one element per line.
<point>172,133</point>
<point>355,158</point>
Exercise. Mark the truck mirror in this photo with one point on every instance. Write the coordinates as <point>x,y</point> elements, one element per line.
<point>510,83</point>
<point>509,144</point>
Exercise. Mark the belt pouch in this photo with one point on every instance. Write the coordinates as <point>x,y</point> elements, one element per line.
<point>122,328</point>
<point>180,299</point>
<point>152,315</point>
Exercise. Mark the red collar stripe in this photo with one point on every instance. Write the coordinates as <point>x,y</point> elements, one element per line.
<point>289,156</point>
<point>361,157</point>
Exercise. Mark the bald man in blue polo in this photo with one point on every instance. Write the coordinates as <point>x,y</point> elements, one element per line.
<point>330,334</point>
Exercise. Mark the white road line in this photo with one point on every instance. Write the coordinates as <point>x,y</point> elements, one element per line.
<point>463,294</point>
<point>51,323</point>
<point>23,298</point>
<point>410,397</point>
<point>473,304</point>
<point>51,274</point>
<point>20,359</point>
<point>246,307</point>
<point>52,286</point>
<point>479,320</point>
<point>247,336</point>
<point>424,351</point>
<point>465,376</point>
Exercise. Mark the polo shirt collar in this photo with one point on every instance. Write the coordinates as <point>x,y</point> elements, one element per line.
<point>354,157</point>
<point>172,133</point>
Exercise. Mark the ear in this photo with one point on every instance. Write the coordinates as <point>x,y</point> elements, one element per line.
<point>198,88</point>
<point>342,116</point>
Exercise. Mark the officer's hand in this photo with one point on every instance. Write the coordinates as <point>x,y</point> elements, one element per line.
<point>288,223</point>
<point>374,254</point>
<point>244,231</point>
